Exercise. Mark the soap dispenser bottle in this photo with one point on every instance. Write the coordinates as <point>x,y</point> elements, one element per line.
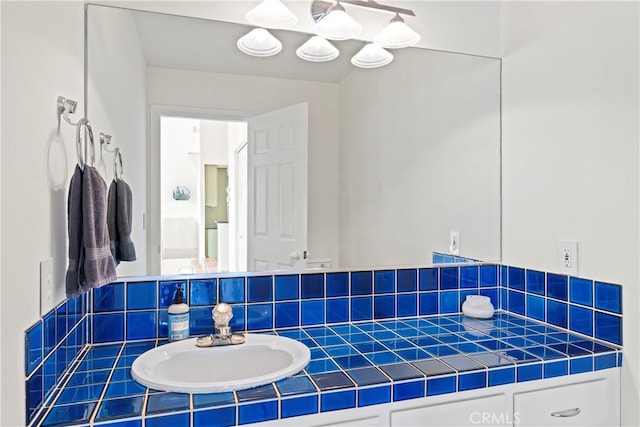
<point>178,317</point>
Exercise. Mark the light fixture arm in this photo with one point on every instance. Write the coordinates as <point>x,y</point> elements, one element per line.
<point>320,8</point>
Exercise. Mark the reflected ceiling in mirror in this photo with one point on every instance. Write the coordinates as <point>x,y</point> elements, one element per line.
<point>398,157</point>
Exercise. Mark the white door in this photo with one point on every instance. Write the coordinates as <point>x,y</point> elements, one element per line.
<point>277,190</point>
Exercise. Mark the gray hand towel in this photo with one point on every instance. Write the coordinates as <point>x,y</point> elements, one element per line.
<point>74,228</point>
<point>112,209</point>
<point>99,267</point>
<point>124,214</point>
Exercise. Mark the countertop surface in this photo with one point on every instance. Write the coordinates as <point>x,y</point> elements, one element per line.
<point>352,365</point>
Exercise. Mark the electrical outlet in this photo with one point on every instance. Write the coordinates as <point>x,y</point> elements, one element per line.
<point>454,242</point>
<point>567,257</point>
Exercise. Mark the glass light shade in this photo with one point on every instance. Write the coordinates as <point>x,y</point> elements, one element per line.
<point>272,14</point>
<point>317,49</point>
<point>397,35</point>
<point>371,56</point>
<point>338,25</point>
<point>259,42</point>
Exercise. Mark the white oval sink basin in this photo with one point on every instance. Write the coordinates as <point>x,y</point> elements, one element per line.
<point>184,368</point>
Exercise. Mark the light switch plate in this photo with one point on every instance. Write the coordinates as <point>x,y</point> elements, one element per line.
<point>46,286</point>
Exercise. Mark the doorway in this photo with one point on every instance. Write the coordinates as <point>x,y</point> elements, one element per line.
<point>200,201</point>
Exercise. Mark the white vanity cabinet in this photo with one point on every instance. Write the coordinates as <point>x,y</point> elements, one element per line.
<point>589,399</point>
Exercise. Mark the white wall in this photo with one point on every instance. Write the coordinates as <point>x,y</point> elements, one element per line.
<point>114,33</point>
<point>42,57</point>
<point>256,95</point>
<point>570,146</point>
<point>419,157</point>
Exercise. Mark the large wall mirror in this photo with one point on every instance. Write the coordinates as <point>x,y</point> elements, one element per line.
<point>239,163</point>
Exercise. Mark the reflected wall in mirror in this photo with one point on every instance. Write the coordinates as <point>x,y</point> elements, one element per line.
<point>395,158</point>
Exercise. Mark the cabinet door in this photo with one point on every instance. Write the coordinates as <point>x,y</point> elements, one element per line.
<point>584,404</point>
<point>491,410</point>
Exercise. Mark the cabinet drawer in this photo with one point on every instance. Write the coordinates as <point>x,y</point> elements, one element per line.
<point>494,410</point>
<point>583,404</point>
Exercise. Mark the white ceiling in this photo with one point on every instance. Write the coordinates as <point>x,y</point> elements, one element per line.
<point>205,45</point>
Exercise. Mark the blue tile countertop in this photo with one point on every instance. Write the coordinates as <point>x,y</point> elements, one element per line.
<point>352,365</point>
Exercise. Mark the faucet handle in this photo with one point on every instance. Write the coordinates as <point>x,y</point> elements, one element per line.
<point>222,315</point>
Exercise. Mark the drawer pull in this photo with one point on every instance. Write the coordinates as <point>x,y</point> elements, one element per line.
<point>566,413</point>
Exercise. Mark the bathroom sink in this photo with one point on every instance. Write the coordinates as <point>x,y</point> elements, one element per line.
<point>184,368</point>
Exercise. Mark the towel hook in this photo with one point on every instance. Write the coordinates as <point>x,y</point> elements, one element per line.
<point>117,161</point>
<point>66,106</point>
<point>84,123</point>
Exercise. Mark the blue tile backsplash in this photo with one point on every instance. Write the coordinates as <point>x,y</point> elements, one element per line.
<point>387,351</point>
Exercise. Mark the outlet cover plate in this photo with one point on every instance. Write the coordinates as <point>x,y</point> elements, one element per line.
<point>567,257</point>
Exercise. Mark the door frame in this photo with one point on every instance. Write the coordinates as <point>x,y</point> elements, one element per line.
<point>156,111</point>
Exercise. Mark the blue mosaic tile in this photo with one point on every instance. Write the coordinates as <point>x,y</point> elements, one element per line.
<point>298,406</point>
<point>529,372</point>
<point>557,313</point>
<point>516,302</point>
<point>260,316</point>
<point>374,395</point>
<point>287,287</point>
<point>605,361</point>
<point>337,310</point>
<point>219,417</point>
<point>501,376</point>
<point>34,392</point>
<point>361,283</point>
<point>361,308</point>
<point>312,312</point>
<point>535,282</point>
<point>259,289</point>
<point>212,399</point>
<point>441,385</point>
<point>49,332</point>
<point>535,307</point>
<point>238,321</point>
<point>428,278</point>
<point>428,303</point>
<point>108,327</point>
<point>33,347</point>
<point>469,277</point>
<point>408,390</point>
<point>321,366</point>
<point>295,385</point>
<point>120,408</point>
<point>488,276</point>
<point>141,295</point>
<point>125,388</point>
<point>449,302</point>
<point>407,280</point>
<point>337,400</point>
<point>384,307</point>
<point>351,362</point>
<point>557,286</point>
<point>608,328</point>
<point>258,412</point>
<point>108,298</point>
<point>141,325</point>
<point>581,364</point>
<point>232,290</point>
<point>174,420</point>
<point>384,282</point>
<point>367,376</point>
<point>331,381</point>
<point>203,292</point>
<point>167,292</point>
<point>581,291</point>
<point>287,314</point>
<point>407,304</point>
<point>608,297</point>
<point>401,371</point>
<point>337,284</point>
<point>449,278</point>
<point>263,392</point>
<point>200,321</point>
<point>556,369</point>
<point>167,402</point>
<point>472,381</point>
<point>312,286</point>
<point>66,414</point>
<point>516,278</point>
<point>492,293</point>
<point>581,320</point>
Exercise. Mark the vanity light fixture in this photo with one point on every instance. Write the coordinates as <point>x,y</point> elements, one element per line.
<point>317,49</point>
<point>333,23</point>
<point>259,42</point>
<point>271,14</point>
<point>397,34</point>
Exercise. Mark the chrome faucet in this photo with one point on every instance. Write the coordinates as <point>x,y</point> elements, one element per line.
<point>222,315</point>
